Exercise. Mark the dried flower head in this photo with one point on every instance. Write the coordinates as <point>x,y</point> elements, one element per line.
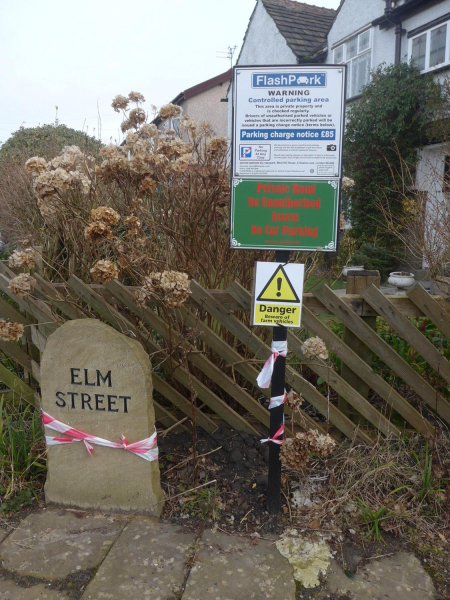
<point>182,163</point>
<point>80,180</point>
<point>137,116</point>
<point>315,348</point>
<point>188,124</point>
<point>10,332</point>
<point>172,287</point>
<point>148,130</point>
<point>136,97</point>
<point>296,451</point>
<point>342,222</point>
<point>22,258</point>
<point>97,231</point>
<point>35,165</point>
<point>106,214</point>
<point>293,400</point>
<point>22,285</point>
<point>131,140</point>
<point>50,183</point>
<point>48,206</point>
<point>347,183</point>
<point>134,226</point>
<point>71,159</point>
<point>217,146</point>
<point>126,125</point>
<point>169,111</point>
<point>116,161</point>
<point>149,185</point>
<point>112,152</point>
<point>104,271</point>
<point>119,103</point>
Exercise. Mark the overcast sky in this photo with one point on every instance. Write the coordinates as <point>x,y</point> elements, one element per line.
<point>78,55</point>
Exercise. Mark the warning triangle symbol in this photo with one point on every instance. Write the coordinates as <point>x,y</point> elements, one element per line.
<point>278,289</point>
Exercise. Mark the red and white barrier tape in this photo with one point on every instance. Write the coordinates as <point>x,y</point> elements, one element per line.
<point>277,401</point>
<point>145,449</point>
<point>278,438</point>
<point>265,377</point>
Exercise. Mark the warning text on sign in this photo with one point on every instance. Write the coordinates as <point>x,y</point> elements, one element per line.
<point>276,314</point>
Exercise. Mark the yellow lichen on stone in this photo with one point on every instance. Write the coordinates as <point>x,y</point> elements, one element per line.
<point>309,559</point>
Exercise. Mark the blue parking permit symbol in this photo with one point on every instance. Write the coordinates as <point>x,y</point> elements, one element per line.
<point>246,152</point>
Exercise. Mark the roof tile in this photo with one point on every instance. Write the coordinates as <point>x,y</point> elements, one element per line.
<point>303,26</point>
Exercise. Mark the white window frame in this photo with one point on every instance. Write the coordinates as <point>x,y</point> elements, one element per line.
<point>349,61</point>
<point>428,32</point>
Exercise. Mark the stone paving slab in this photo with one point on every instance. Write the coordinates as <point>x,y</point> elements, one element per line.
<point>398,577</point>
<point>236,568</point>
<point>11,591</point>
<point>53,544</point>
<point>148,561</point>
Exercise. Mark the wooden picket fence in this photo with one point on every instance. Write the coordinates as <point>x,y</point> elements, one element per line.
<point>207,371</point>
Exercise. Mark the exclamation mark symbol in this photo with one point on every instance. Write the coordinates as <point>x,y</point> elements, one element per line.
<point>279,286</point>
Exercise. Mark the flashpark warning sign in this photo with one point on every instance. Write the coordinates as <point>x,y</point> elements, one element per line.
<point>288,121</point>
<point>277,294</point>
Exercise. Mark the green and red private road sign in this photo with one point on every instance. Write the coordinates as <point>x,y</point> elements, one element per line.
<point>285,215</point>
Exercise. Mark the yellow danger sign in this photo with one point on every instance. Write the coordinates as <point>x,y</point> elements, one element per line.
<point>278,289</point>
<point>277,294</point>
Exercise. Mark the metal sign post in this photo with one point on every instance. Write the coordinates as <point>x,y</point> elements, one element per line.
<point>277,413</point>
<point>286,170</point>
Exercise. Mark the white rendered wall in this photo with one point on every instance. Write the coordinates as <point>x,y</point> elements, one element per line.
<point>264,44</point>
<point>356,15</point>
<point>430,179</point>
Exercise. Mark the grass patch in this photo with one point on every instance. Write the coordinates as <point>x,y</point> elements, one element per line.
<point>315,281</point>
<point>393,486</point>
<point>22,455</point>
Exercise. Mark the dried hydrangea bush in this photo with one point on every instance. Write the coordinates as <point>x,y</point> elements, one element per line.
<point>296,451</point>
<point>157,203</point>
<point>10,331</point>
<point>315,348</point>
<point>22,285</point>
<point>104,271</point>
<point>22,259</point>
<point>171,287</point>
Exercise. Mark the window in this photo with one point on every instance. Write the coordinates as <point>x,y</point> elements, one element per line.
<point>172,123</point>
<point>446,181</point>
<point>431,49</point>
<point>356,54</point>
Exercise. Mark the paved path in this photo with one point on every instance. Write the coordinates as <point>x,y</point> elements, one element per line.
<point>70,555</point>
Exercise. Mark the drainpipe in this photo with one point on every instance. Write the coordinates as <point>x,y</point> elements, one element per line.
<point>398,43</point>
<point>398,31</point>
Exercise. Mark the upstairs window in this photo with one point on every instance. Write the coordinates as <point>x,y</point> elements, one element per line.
<point>431,49</point>
<point>356,53</point>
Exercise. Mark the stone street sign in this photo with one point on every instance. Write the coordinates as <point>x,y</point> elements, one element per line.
<point>99,381</point>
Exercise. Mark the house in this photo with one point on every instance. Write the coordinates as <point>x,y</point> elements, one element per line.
<point>390,32</point>
<point>284,32</point>
<point>363,34</point>
<point>205,101</point>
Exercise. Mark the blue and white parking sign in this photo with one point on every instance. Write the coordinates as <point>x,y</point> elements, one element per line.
<point>288,121</point>
<point>289,79</point>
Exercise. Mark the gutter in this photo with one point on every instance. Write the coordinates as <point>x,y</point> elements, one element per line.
<point>392,15</point>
